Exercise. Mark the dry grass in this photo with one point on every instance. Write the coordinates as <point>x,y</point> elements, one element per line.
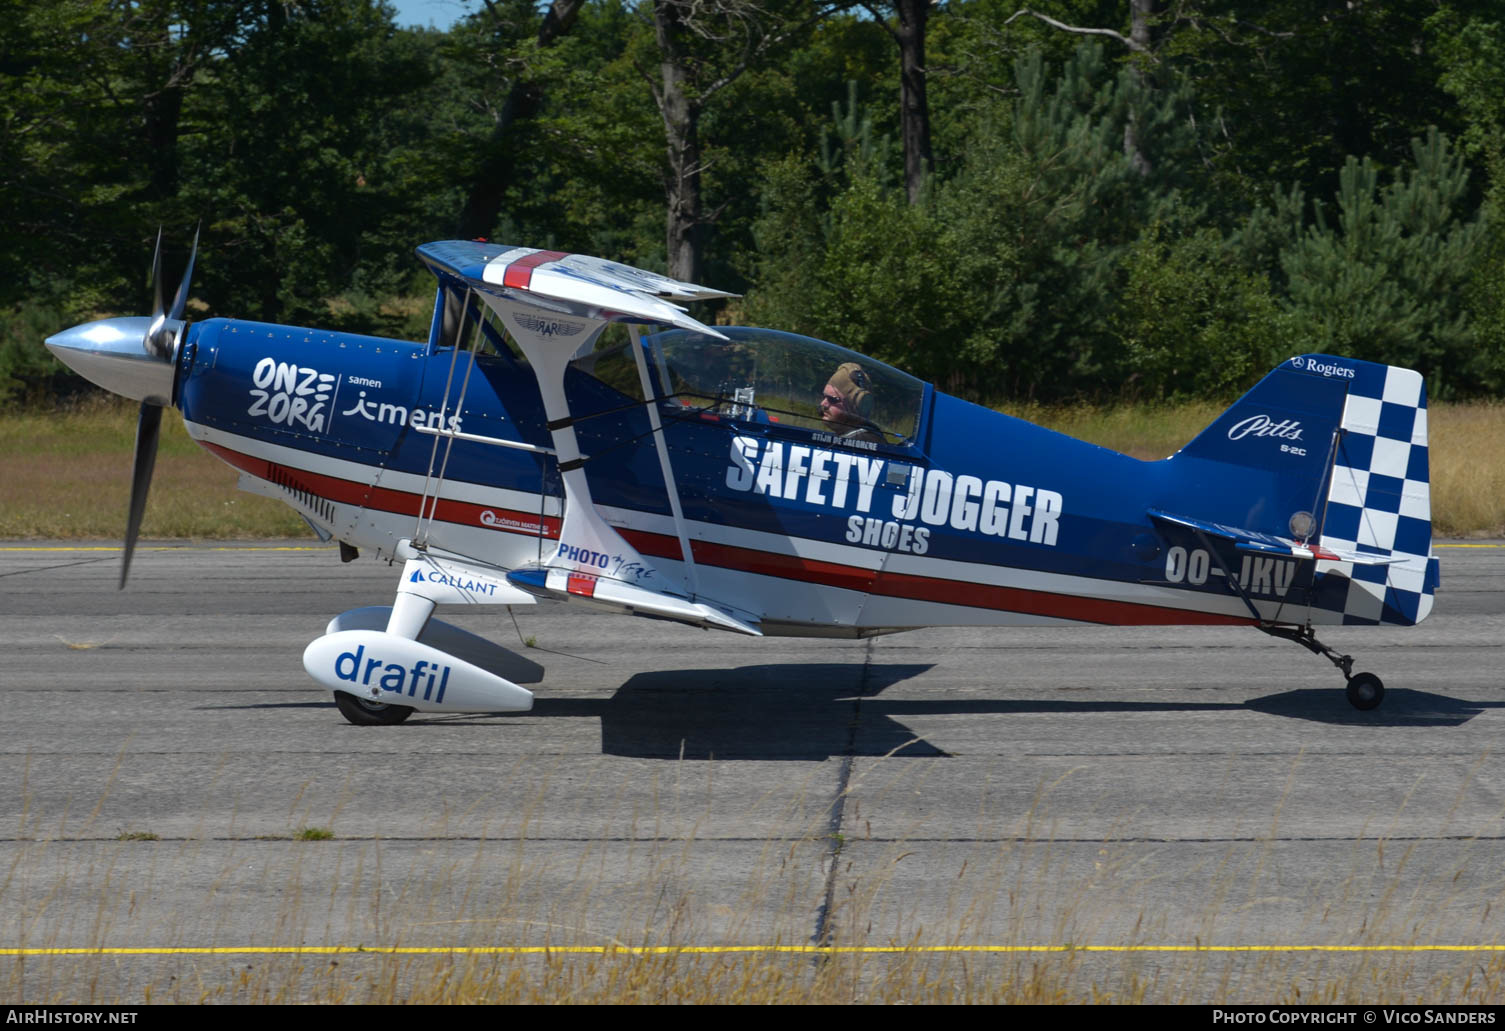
<point>1468,472</point>
<point>66,475</point>
<point>1144,431</point>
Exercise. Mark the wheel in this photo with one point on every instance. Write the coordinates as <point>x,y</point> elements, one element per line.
<point>1365,691</point>
<point>370,714</point>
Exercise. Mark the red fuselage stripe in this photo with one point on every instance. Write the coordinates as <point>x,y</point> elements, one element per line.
<point>930,588</point>
<point>385,499</point>
<point>519,274</point>
<point>749,560</point>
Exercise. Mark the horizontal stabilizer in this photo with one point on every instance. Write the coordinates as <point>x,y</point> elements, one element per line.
<point>1268,544</point>
<point>565,584</point>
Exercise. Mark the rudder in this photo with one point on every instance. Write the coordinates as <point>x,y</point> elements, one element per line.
<point>1379,497</point>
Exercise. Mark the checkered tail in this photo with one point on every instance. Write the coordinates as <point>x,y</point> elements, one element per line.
<point>1379,502</point>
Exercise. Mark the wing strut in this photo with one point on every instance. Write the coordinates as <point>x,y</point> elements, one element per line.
<point>551,311</point>
<point>592,560</point>
<point>425,505</point>
<point>665,466</point>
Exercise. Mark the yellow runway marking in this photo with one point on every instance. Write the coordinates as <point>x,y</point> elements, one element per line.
<point>697,950</point>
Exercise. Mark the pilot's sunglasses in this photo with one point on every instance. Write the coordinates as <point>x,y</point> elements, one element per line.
<point>834,400</point>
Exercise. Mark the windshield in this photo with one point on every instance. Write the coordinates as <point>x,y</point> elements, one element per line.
<point>762,375</point>
<point>471,325</point>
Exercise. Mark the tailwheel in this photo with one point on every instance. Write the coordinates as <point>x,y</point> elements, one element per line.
<point>1365,691</point>
<point>371,714</point>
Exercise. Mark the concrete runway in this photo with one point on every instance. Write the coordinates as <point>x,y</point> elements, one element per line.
<point>1128,790</point>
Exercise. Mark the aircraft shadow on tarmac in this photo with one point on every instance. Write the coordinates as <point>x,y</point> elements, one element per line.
<point>1402,707</point>
<point>813,711</point>
<point>780,711</point>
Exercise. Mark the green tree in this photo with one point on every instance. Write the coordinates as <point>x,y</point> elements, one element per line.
<point>520,68</point>
<point>1295,86</point>
<point>701,48</point>
<point>1002,279</point>
<point>908,30</point>
<point>1075,200</point>
<point>1472,48</point>
<point>308,142</point>
<point>1195,321</point>
<point>1384,277</point>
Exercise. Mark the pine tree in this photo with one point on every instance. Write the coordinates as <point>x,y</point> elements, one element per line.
<point>1385,279</point>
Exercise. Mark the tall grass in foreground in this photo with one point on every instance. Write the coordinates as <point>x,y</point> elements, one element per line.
<point>1081,921</point>
<point>912,977</point>
<point>66,474</point>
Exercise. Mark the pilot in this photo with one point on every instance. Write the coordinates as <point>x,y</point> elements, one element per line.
<point>846,404</point>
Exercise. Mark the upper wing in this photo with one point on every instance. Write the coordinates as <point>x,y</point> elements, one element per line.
<point>572,284</point>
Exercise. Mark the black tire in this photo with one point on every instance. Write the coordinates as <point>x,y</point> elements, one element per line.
<point>1365,691</point>
<point>370,714</point>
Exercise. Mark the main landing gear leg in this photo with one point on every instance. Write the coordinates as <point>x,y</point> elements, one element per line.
<point>1365,690</point>
<point>410,614</point>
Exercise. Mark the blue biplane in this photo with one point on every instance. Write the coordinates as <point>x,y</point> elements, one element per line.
<point>568,431</point>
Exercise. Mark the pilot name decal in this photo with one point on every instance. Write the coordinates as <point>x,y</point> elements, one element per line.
<point>291,395</point>
<point>831,438</point>
<point>934,497</point>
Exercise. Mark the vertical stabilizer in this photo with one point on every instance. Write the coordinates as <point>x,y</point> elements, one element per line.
<point>1324,460</point>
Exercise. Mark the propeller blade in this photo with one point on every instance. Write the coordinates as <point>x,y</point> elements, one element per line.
<point>180,300</point>
<point>159,314</point>
<point>148,429</point>
<point>157,309</point>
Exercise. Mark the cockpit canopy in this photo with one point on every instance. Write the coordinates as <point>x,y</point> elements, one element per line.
<point>766,375</point>
<point>754,375</point>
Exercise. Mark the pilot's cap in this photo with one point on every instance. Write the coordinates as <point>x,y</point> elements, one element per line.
<point>851,381</point>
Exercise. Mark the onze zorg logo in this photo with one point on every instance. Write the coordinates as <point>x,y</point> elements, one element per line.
<point>291,395</point>
<point>298,395</point>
